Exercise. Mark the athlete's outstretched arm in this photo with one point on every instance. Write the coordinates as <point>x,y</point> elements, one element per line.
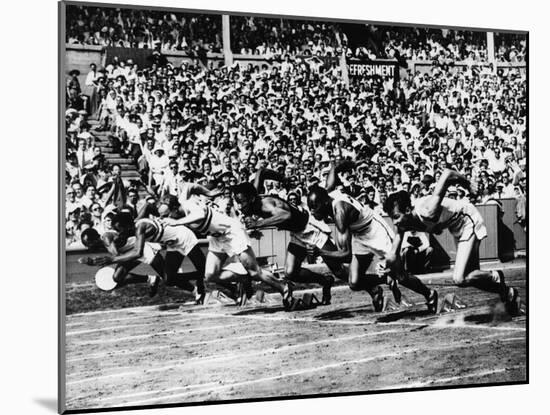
<point>194,216</point>
<point>132,255</point>
<point>198,189</point>
<point>108,241</point>
<point>432,206</point>
<point>393,255</point>
<point>448,178</point>
<point>332,178</point>
<point>343,235</point>
<point>277,216</point>
<point>266,174</point>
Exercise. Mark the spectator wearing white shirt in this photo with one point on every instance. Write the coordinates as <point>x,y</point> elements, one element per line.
<point>157,164</point>
<point>83,155</point>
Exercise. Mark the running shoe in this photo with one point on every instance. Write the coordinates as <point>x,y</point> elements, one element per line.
<point>288,300</point>
<point>327,295</point>
<point>432,302</point>
<point>513,302</point>
<point>153,282</point>
<point>200,294</point>
<point>378,299</point>
<point>503,291</point>
<point>394,287</point>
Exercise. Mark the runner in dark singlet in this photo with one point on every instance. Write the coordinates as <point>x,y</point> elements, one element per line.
<point>262,211</point>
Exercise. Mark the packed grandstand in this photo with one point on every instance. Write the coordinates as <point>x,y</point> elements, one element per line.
<point>137,131</point>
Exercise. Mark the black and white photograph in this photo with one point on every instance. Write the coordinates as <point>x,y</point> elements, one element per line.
<point>264,207</point>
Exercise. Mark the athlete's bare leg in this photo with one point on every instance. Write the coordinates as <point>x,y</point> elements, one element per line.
<point>359,280</point>
<point>467,273</point>
<point>250,263</point>
<point>123,276</point>
<point>198,260</point>
<point>173,278</point>
<point>408,280</point>
<point>214,272</point>
<point>336,267</point>
<point>295,272</point>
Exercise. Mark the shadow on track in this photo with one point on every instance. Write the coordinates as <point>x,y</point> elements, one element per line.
<point>404,315</point>
<point>344,313</point>
<point>260,310</point>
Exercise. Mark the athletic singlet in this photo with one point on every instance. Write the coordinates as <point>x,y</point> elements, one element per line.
<point>164,232</point>
<point>298,218</point>
<point>365,213</point>
<point>452,213</point>
<point>214,223</point>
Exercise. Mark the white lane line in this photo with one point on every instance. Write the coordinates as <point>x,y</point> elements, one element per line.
<point>229,356</point>
<point>153,392</point>
<point>453,326</point>
<point>74,333</point>
<point>190,319</point>
<point>298,372</point>
<point>117,353</point>
<point>127,310</point>
<point>140,317</point>
<point>160,333</point>
<point>365,322</point>
<point>452,378</point>
<point>155,348</point>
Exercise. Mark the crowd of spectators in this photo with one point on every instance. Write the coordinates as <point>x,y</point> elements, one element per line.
<point>422,44</point>
<point>275,37</point>
<point>135,28</point>
<point>439,45</point>
<point>219,126</point>
<point>510,47</point>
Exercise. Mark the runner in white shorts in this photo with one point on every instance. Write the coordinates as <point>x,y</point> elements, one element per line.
<point>263,211</point>
<point>362,234</point>
<point>435,213</point>
<point>227,237</point>
<point>114,244</point>
<point>178,240</point>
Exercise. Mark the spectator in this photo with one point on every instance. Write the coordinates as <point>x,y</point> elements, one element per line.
<point>416,252</point>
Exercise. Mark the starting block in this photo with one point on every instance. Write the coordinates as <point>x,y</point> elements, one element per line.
<point>451,303</point>
<point>390,305</point>
<point>260,296</point>
<point>307,302</point>
<point>405,302</point>
<point>217,297</point>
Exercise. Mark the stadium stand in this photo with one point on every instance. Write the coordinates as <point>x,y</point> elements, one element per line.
<point>144,129</point>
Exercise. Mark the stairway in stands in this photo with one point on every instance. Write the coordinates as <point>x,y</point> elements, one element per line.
<point>129,170</point>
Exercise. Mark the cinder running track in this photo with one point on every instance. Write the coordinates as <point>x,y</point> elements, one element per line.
<point>145,356</point>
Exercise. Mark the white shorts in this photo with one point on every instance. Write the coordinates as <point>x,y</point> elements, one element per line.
<point>470,223</point>
<point>313,235</point>
<point>150,250</point>
<point>234,242</point>
<point>376,239</point>
<point>184,239</point>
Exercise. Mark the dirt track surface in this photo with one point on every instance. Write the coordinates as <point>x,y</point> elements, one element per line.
<point>145,356</point>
